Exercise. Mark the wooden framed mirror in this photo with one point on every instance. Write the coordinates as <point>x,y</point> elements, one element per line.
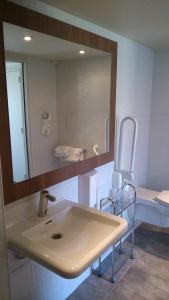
<point>57,95</point>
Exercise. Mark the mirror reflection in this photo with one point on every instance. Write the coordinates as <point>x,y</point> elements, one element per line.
<point>58,101</point>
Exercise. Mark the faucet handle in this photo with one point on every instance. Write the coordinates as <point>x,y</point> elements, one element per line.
<point>50,197</point>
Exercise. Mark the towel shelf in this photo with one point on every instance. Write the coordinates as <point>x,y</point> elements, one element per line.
<point>124,248</point>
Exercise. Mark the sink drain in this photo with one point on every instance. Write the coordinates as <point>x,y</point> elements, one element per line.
<point>57,236</point>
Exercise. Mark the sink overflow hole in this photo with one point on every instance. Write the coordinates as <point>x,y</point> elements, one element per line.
<point>57,236</point>
<point>48,222</point>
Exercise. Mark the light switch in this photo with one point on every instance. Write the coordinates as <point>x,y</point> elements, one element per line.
<point>46,123</point>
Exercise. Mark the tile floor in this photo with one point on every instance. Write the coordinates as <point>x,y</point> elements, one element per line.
<point>146,279</point>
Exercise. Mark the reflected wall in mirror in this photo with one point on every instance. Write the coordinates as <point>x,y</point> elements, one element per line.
<point>58,101</point>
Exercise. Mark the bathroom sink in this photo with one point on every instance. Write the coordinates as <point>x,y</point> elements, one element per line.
<point>68,239</point>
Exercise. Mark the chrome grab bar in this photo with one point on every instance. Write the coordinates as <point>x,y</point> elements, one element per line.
<point>133,149</point>
<point>107,123</point>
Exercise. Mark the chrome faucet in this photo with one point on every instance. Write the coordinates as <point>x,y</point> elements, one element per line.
<point>43,203</point>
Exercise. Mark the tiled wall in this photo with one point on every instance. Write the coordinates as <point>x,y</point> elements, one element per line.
<point>158,160</point>
<point>134,82</point>
<point>88,91</point>
<point>134,79</point>
<point>41,90</point>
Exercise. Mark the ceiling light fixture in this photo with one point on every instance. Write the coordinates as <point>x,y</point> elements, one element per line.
<point>81,52</point>
<point>27,38</point>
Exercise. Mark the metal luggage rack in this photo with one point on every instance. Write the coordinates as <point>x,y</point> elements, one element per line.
<point>121,251</point>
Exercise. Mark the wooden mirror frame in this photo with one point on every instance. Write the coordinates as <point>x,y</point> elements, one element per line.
<point>21,16</point>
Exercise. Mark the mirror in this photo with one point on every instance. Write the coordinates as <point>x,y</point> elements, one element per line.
<point>58,101</point>
<point>57,116</point>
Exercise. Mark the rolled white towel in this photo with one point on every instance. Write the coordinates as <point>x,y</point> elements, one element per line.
<point>75,154</point>
<point>163,197</point>
<point>62,151</point>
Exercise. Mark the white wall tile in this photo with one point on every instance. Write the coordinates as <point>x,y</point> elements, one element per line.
<point>160,97</point>
<point>158,163</point>
<point>41,89</point>
<point>161,64</point>
<point>134,59</point>
<point>50,286</point>
<point>21,283</point>
<point>158,158</point>
<point>133,96</point>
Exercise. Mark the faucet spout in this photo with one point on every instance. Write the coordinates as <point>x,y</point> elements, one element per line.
<point>43,203</point>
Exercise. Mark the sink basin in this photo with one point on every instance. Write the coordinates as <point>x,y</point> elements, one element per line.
<point>68,239</point>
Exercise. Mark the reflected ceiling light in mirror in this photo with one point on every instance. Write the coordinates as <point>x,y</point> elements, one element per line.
<point>27,38</point>
<point>81,52</point>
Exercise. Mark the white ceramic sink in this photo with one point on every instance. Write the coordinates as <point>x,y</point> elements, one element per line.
<point>68,239</point>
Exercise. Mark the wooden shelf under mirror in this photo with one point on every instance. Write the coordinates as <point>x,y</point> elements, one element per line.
<point>66,98</point>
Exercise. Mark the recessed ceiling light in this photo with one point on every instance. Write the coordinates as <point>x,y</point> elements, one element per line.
<point>27,38</point>
<point>81,52</point>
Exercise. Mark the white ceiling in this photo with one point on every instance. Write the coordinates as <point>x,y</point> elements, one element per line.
<point>44,46</point>
<point>145,21</point>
